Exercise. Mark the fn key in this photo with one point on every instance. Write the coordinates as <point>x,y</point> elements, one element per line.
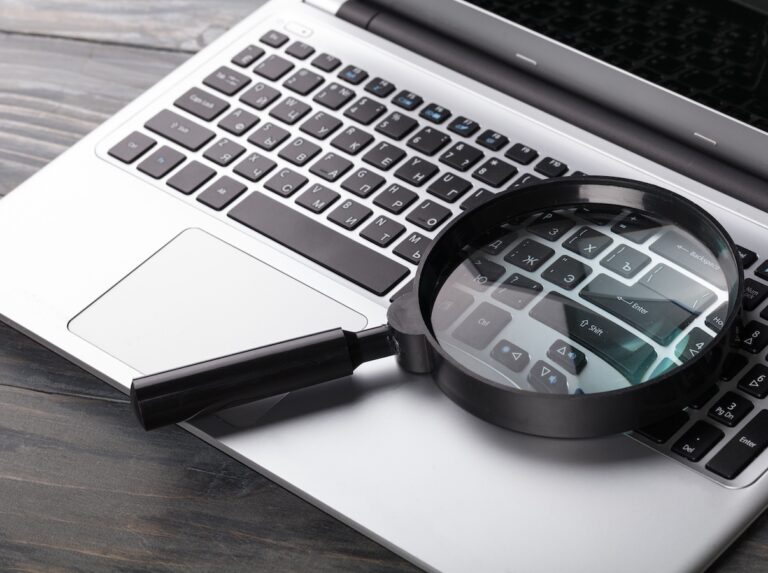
<point>742,449</point>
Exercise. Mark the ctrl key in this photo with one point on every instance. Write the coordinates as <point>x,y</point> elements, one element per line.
<point>745,446</point>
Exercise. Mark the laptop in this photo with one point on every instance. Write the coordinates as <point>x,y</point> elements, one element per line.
<point>287,180</point>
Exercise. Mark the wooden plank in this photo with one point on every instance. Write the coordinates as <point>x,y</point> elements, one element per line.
<point>171,24</point>
<point>52,92</point>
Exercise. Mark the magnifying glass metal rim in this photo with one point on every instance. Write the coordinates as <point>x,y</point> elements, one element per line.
<point>567,415</point>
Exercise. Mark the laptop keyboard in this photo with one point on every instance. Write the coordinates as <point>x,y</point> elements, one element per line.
<point>358,174</point>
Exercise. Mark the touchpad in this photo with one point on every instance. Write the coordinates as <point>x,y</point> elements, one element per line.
<point>200,298</point>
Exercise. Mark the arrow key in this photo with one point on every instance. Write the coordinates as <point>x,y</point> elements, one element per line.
<point>510,355</point>
<point>754,337</point>
<point>690,346</point>
<point>570,358</point>
<point>544,378</point>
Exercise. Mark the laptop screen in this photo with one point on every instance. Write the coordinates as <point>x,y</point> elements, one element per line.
<point>712,51</point>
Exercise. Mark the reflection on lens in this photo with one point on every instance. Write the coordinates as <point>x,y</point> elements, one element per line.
<point>582,300</point>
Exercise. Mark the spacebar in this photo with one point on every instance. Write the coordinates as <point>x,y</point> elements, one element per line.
<point>353,261</point>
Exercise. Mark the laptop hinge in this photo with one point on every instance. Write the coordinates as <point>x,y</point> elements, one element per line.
<point>568,106</point>
<point>330,6</point>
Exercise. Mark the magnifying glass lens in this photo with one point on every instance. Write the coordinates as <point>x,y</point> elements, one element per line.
<point>583,300</point>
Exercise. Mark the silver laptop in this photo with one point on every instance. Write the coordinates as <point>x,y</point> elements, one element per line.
<point>186,227</point>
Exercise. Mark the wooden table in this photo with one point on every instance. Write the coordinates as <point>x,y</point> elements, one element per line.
<point>81,486</point>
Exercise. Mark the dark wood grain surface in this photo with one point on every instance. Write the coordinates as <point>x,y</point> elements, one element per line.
<point>81,487</point>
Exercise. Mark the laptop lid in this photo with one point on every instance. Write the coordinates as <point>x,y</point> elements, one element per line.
<point>693,69</point>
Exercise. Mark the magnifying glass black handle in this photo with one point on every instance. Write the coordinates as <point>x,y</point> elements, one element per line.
<point>177,395</point>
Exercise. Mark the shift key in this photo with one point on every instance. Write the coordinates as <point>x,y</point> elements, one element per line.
<point>624,351</point>
<point>180,130</point>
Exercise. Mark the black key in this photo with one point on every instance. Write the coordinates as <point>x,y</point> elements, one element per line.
<point>692,345</point>
<point>412,248</point>
<point>435,113</point>
<point>303,81</point>
<point>625,261</point>
<point>549,167</point>
<point>320,125</point>
<point>396,125</point>
<point>517,291</point>
<point>363,182</point>
<point>274,39</point>
<point>227,81</point>
<point>131,147</point>
<point>747,257</point>
<point>221,193</point>
<point>429,141</point>
<point>755,382</point>
<point>407,100</point>
<point>201,104</point>
<point>479,272</point>
<point>689,255</point>
<point>500,244</point>
<point>179,130</point>
<point>360,264</point>
<point>380,87</point>
<point>260,95</point>
<point>326,62</point>
<point>661,431</point>
<point>290,110</point>
<point>382,231</point>
<point>701,400</point>
<point>161,162</point>
<point>544,378</point>
<point>551,226</point>
<point>636,228</point>
<point>628,354</point>
<point>464,126</point>
<point>300,50</point>
<point>254,167</point>
<point>334,96</point>
<point>567,356</point>
<point>395,198</point>
<point>493,140</point>
<point>754,337</point>
<point>598,215</point>
<point>330,167</point>
<point>353,75</point>
<point>247,56</point>
<point>521,153</point>
<point>716,319</point>
<point>529,255</point>
<point>697,441</point>
<point>577,174</point>
<point>224,152</point>
<point>193,176</point>
<point>449,187</point>
<point>480,196</point>
<point>365,110</point>
<point>510,355</point>
<point>744,447</point>
<point>730,409</point>
<point>495,172</point>
<point>674,285</point>
<point>299,151</point>
<point>524,179</point>
<point>587,242</point>
<point>416,171</point>
<point>317,198</point>
<point>273,67</point>
<point>349,214</point>
<point>660,319</point>
<point>451,303</point>
<point>352,140</point>
<point>482,325</point>
<point>754,294</point>
<point>384,155</point>
<point>428,215</point>
<point>268,136</point>
<point>461,156</point>
<point>238,121</point>
<point>732,365</point>
<point>285,182</point>
<point>762,270</point>
<point>566,272</point>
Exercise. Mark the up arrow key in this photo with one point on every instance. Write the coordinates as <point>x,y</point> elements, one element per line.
<point>570,358</point>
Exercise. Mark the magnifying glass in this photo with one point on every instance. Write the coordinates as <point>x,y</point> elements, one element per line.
<point>569,308</point>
